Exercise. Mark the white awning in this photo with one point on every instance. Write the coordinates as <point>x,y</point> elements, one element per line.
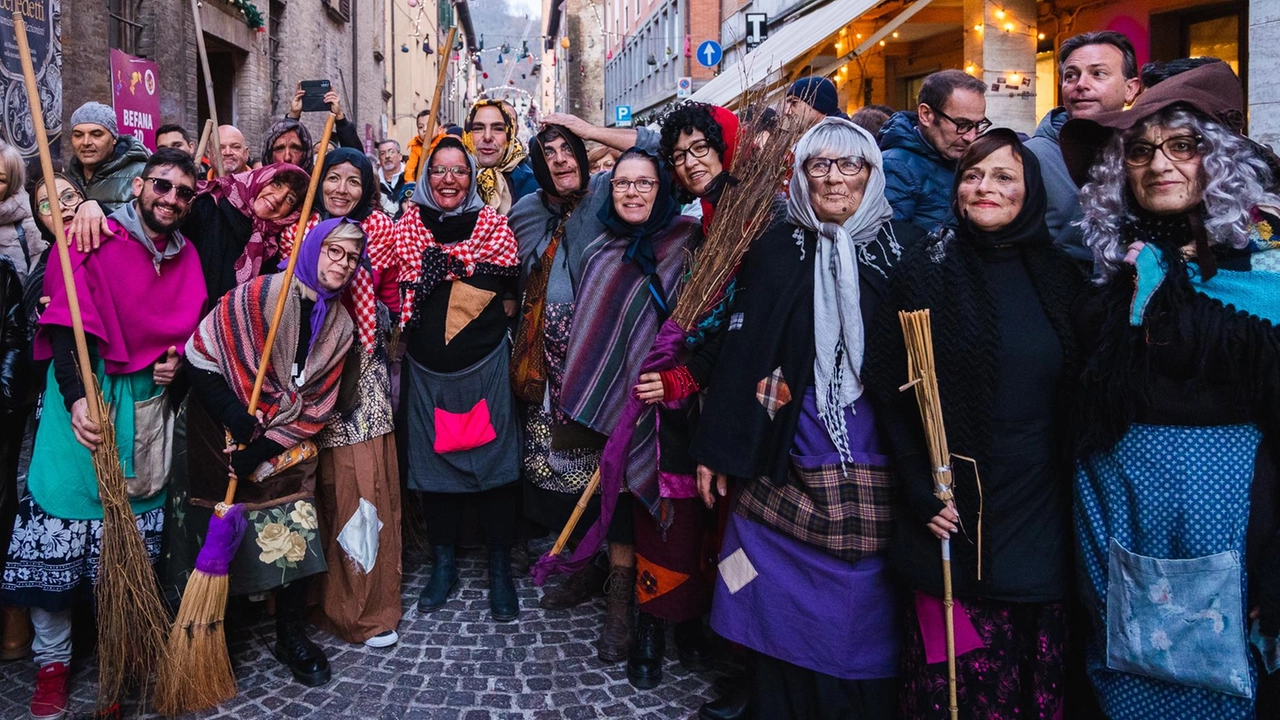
<point>783,46</point>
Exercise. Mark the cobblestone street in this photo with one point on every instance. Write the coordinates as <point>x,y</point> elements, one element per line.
<point>454,664</point>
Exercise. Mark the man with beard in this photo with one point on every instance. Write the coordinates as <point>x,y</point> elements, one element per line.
<point>141,296</point>
<point>505,174</point>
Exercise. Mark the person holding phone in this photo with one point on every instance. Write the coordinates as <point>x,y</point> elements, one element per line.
<point>289,141</point>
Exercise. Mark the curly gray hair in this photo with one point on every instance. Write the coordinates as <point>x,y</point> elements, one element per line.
<point>1236,180</point>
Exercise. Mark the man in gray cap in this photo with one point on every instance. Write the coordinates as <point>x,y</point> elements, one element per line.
<point>104,166</point>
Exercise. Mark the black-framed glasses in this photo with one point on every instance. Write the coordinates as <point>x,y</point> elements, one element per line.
<point>697,149</point>
<point>164,187</point>
<point>1179,148</point>
<point>335,253</point>
<point>69,199</point>
<point>821,167</point>
<point>456,170</point>
<point>964,127</point>
<point>644,185</point>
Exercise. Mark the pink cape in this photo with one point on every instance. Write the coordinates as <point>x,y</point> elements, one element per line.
<point>134,312</point>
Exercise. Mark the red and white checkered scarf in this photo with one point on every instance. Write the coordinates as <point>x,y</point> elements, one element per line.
<point>491,243</point>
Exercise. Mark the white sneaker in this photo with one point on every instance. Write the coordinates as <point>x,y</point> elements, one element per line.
<point>383,639</point>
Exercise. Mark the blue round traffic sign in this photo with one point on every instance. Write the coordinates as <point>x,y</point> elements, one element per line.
<point>709,53</point>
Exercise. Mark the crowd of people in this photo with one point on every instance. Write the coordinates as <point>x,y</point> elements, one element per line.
<point>468,332</point>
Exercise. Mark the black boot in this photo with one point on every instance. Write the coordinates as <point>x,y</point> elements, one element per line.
<point>444,578</point>
<point>503,603</point>
<point>304,658</point>
<point>644,666</point>
<point>693,645</point>
<point>732,704</point>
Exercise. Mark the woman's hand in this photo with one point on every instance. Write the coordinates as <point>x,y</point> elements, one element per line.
<point>86,431</point>
<point>295,105</point>
<point>705,478</point>
<point>943,525</point>
<point>88,226</point>
<point>335,105</point>
<point>649,389</point>
<point>166,368</point>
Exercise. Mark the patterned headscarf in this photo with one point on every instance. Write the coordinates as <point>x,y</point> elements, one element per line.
<point>307,270</point>
<point>240,190</point>
<point>285,125</point>
<point>491,182</point>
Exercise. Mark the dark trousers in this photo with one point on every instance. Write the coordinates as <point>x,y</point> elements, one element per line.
<point>782,691</point>
<point>498,509</point>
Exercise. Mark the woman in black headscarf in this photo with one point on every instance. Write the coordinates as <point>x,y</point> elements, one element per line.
<point>1000,295</point>
<point>360,595</point>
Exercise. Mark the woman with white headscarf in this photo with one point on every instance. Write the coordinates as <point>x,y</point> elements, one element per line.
<point>804,582</point>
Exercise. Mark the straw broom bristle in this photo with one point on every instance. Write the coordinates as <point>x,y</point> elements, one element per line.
<point>741,216</point>
<point>131,617</point>
<point>196,673</point>
<point>917,332</point>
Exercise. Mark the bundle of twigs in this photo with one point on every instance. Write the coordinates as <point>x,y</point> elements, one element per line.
<point>131,618</point>
<point>762,166</point>
<point>917,331</point>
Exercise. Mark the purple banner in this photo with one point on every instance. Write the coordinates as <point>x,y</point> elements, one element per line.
<point>135,94</point>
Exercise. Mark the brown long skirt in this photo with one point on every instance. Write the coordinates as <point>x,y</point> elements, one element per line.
<point>350,603</point>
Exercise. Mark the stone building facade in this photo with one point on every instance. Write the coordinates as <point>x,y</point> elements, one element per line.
<point>254,70</point>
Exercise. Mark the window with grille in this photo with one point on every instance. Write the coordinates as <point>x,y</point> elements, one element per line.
<point>124,27</point>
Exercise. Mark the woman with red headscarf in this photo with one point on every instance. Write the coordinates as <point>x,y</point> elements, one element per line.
<point>699,141</point>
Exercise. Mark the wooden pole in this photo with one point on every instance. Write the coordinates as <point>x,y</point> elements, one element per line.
<point>204,139</point>
<point>208,89</point>
<point>435,100</point>
<point>578,509</point>
<point>51,187</point>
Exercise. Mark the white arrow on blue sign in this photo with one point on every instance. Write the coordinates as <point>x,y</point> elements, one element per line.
<point>710,53</point>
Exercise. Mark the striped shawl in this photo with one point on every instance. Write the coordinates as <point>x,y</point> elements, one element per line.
<point>229,342</point>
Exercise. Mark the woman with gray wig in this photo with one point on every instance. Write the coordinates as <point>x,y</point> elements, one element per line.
<point>1177,500</point>
<point>789,421</point>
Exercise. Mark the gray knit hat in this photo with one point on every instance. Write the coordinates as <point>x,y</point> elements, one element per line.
<point>97,114</point>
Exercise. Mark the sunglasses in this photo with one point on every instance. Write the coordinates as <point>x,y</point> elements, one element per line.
<point>164,187</point>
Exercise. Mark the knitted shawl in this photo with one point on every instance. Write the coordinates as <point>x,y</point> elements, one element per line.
<point>229,342</point>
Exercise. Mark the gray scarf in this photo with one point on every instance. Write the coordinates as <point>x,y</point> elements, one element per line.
<point>127,216</point>
<point>837,313</point>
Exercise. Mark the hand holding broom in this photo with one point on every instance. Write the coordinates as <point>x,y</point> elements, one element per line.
<point>196,673</point>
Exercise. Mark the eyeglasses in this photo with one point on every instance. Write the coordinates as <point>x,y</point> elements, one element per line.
<point>644,185</point>
<point>163,187</point>
<point>821,167</point>
<point>964,127</point>
<point>69,199</point>
<point>335,253</point>
<point>698,149</point>
<point>1179,148</point>
<point>457,171</point>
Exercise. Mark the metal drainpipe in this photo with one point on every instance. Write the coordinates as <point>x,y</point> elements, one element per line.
<point>355,68</point>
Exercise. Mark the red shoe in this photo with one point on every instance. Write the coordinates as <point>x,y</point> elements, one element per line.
<point>50,699</point>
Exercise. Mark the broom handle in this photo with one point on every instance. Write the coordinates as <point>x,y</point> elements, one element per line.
<point>208,89</point>
<point>298,232</point>
<point>948,605</point>
<point>204,139</point>
<point>578,509</point>
<point>46,165</point>
<point>435,100</point>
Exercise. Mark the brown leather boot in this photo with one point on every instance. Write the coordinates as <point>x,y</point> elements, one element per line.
<point>575,589</point>
<point>16,643</point>
<point>614,644</point>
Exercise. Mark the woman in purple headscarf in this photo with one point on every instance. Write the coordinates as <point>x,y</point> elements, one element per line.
<point>275,458</point>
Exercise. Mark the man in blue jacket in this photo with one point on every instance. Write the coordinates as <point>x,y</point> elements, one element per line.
<point>921,148</point>
<point>1098,72</point>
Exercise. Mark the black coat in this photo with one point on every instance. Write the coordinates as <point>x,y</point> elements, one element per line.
<point>771,326</point>
<point>13,341</point>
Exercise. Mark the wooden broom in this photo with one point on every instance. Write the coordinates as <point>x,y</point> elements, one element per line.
<point>131,616</point>
<point>196,673</point>
<point>918,334</point>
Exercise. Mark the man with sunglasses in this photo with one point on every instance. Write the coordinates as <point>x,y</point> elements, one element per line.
<point>921,148</point>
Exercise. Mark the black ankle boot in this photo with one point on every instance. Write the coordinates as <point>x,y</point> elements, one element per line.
<point>293,648</point>
<point>693,645</point>
<point>444,578</point>
<point>734,700</point>
<point>503,603</point>
<point>644,666</point>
